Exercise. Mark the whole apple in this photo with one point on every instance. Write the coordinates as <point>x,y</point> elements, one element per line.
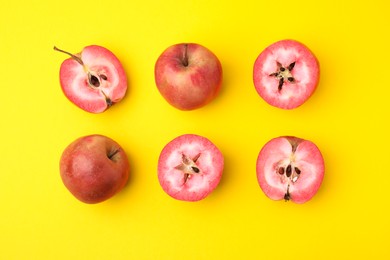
<point>188,75</point>
<point>93,79</point>
<point>94,168</point>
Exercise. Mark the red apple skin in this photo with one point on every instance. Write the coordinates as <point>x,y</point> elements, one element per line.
<point>75,85</point>
<point>188,75</point>
<point>89,173</point>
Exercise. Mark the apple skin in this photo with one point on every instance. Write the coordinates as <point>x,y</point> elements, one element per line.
<point>188,75</point>
<point>94,168</point>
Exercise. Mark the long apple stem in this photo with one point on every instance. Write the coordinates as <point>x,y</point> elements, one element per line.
<point>71,55</point>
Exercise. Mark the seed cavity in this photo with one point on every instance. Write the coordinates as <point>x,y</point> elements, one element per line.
<point>290,172</point>
<point>280,86</point>
<point>291,66</point>
<point>188,166</point>
<point>196,157</point>
<point>103,77</point>
<point>283,74</point>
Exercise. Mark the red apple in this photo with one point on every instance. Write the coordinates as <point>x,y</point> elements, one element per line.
<point>94,79</point>
<point>94,168</point>
<point>188,76</point>
<point>290,168</point>
<point>190,167</point>
<point>286,74</point>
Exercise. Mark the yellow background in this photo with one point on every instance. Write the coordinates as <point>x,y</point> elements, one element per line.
<point>347,118</point>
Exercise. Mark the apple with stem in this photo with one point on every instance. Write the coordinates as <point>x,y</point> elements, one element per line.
<point>290,168</point>
<point>188,75</point>
<point>93,79</point>
<point>94,168</point>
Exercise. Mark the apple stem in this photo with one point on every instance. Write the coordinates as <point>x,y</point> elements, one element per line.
<point>112,154</point>
<point>71,55</point>
<point>185,58</point>
<point>287,194</point>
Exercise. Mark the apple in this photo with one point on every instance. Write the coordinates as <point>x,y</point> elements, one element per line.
<point>188,75</point>
<point>93,79</point>
<point>94,168</point>
<point>290,168</point>
<point>286,74</point>
<point>190,167</point>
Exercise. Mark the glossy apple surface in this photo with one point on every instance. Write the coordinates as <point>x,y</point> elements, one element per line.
<point>94,168</point>
<point>188,76</point>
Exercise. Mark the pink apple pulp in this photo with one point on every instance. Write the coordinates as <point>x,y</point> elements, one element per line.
<point>290,168</point>
<point>94,79</point>
<point>286,74</point>
<point>190,167</point>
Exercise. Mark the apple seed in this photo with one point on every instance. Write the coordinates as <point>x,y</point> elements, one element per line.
<point>288,171</point>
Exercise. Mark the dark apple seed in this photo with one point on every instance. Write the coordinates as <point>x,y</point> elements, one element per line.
<point>297,170</point>
<point>195,169</point>
<point>94,81</point>
<point>281,170</point>
<point>288,170</point>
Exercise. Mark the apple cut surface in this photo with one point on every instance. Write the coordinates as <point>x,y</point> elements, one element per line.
<point>286,74</point>
<point>190,167</point>
<point>290,168</point>
<point>94,79</point>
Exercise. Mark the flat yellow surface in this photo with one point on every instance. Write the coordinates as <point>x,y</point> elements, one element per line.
<point>347,118</point>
